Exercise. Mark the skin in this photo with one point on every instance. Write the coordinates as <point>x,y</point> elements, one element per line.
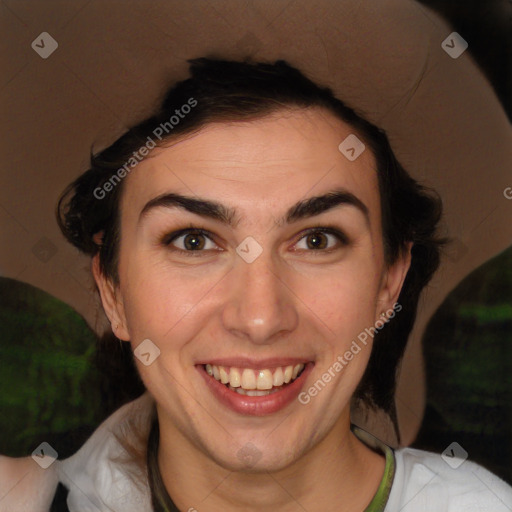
<point>293,300</point>
<point>25,485</point>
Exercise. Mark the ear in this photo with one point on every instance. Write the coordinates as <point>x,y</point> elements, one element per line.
<point>112,304</point>
<point>393,281</point>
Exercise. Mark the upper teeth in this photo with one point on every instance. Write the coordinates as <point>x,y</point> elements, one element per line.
<point>254,379</point>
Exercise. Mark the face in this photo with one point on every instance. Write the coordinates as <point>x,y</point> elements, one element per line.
<point>255,298</point>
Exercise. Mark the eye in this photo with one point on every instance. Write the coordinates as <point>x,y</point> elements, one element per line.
<point>322,240</point>
<point>190,240</point>
<point>195,241</point>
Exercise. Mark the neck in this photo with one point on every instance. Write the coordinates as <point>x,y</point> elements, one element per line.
<point>339,474</point>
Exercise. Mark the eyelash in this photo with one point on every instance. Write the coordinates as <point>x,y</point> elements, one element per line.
<point>171,237</point>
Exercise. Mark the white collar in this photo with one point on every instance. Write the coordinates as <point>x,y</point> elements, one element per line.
<point>102,475</point>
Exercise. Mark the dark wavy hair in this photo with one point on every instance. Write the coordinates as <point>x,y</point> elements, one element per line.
<point>228,91</point>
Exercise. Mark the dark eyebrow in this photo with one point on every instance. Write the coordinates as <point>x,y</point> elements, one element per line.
<point>203,207</point>
<point>303,209</point>
<point>319,204</point>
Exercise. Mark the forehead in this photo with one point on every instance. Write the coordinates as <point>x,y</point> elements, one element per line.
<point>256,166</point>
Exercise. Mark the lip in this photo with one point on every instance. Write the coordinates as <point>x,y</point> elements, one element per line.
<point>256,405</point>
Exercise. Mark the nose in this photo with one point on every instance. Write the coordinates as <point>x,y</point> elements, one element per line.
<point>260,307</point>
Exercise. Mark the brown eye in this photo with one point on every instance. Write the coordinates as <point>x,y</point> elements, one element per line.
<point>322,240</point>
<point>193,241</point>
<point>317,240</point>
<point>190,241</point>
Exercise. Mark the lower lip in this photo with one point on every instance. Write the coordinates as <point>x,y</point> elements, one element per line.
<point>256,405</point>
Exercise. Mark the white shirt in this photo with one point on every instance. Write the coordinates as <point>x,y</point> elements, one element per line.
<point>424,482</point>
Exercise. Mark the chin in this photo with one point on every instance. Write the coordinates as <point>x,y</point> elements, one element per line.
<point>257,454</point>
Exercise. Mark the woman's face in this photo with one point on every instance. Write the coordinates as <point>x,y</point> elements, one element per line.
<point>279,282</point>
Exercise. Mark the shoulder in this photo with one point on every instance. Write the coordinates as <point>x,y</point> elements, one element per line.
<point>101,473</point>
<point>104,470</point>
<point>25,486</point>
<point>426,481</point>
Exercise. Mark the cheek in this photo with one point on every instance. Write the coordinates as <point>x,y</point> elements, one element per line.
<point>345,299</point>
<point>157,297</point>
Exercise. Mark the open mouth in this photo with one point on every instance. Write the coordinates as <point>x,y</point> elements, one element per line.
<point>251,382</point>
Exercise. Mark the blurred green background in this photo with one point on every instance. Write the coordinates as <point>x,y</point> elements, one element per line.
<point>468,358</point>
<point>56,383</point>
<point>48,385</point>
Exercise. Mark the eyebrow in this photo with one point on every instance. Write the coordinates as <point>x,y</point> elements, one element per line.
<point>304,209</point>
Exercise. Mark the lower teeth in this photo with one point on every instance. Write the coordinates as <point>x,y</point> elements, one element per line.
<point>254,392</point>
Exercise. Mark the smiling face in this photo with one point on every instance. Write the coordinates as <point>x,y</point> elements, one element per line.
<point>276,283</point>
